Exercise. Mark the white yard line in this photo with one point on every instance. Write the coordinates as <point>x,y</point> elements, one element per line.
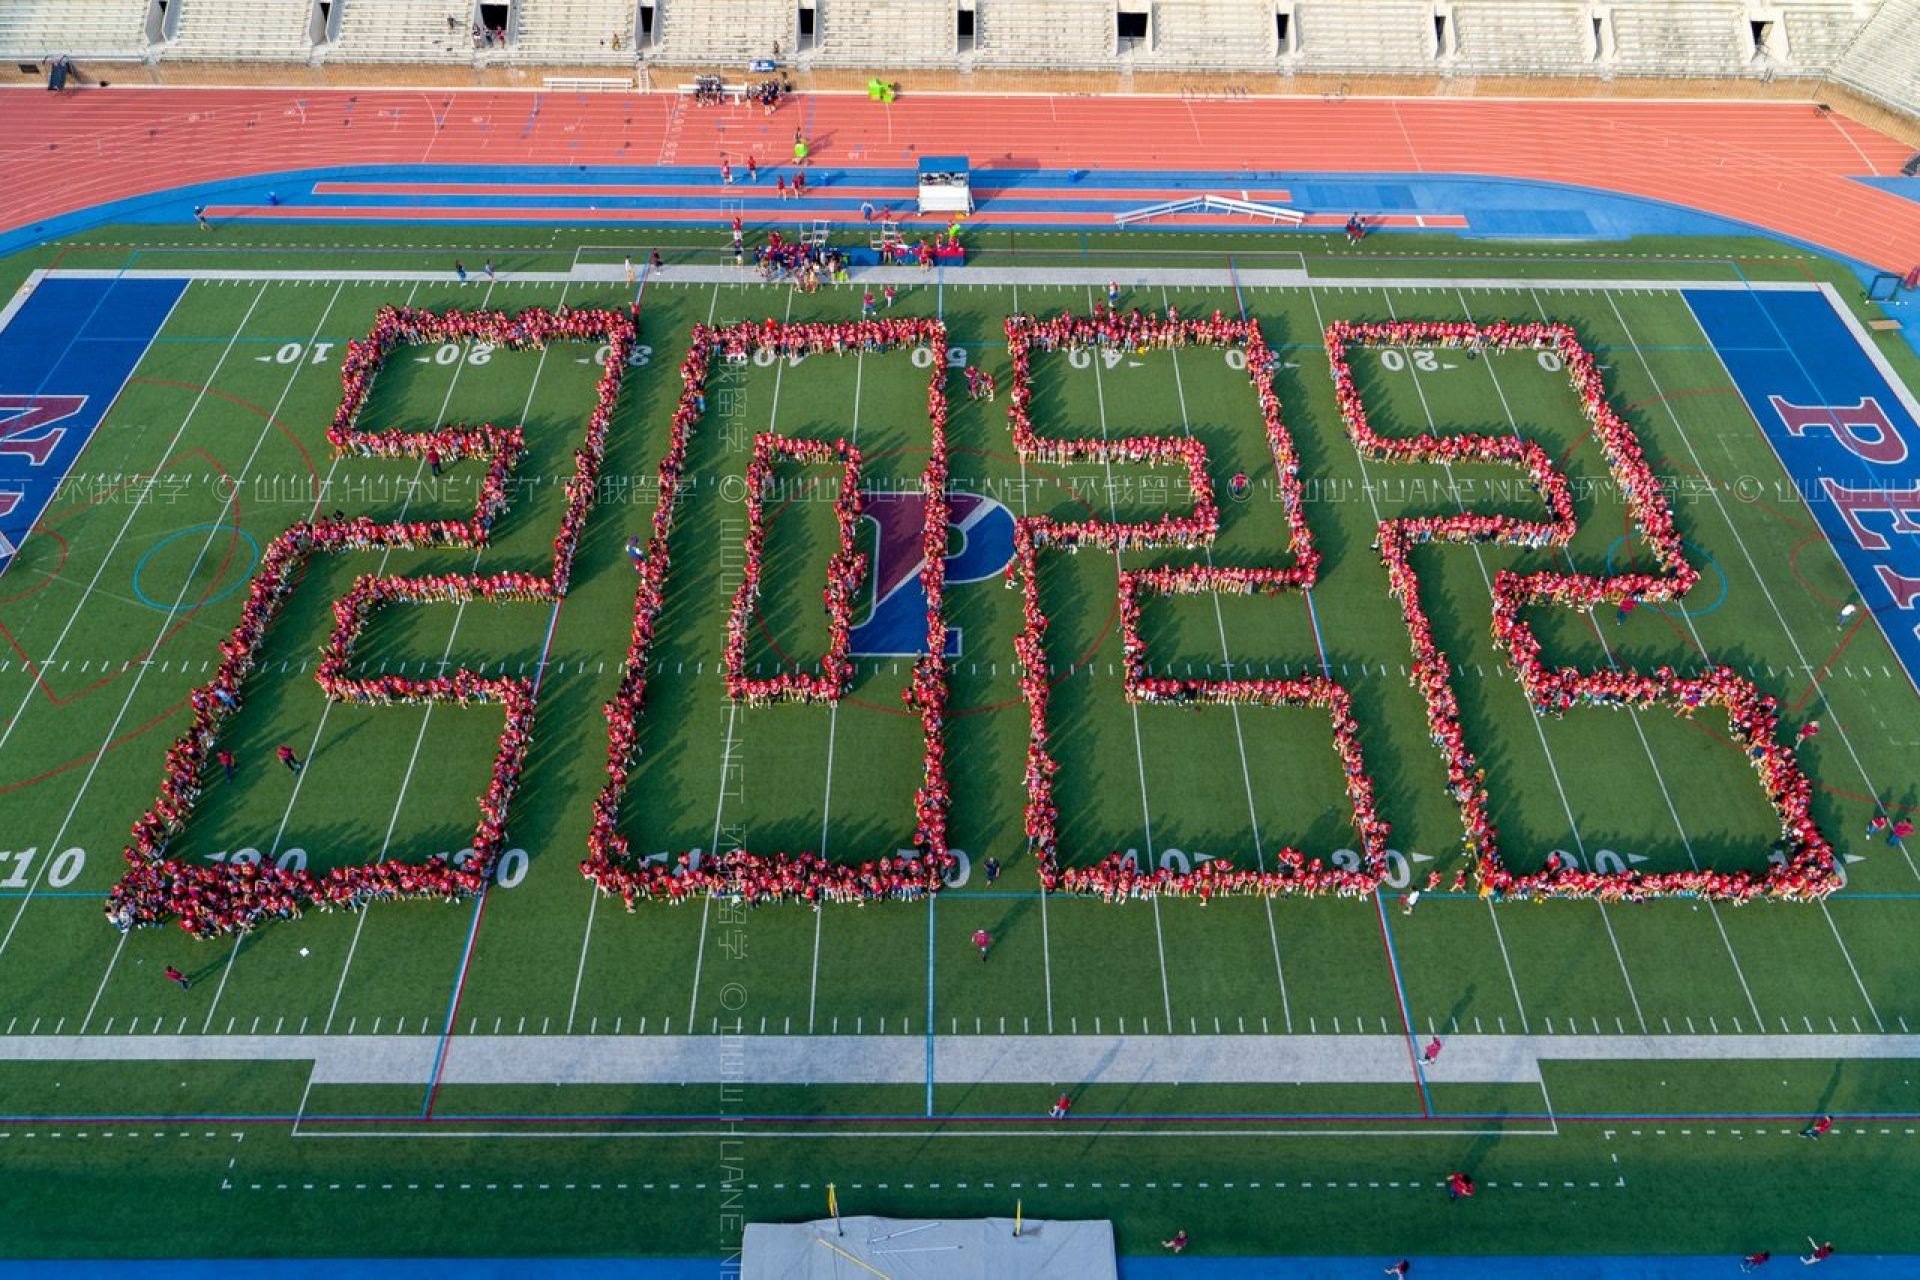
<point>139,676</point>
<point>101,990</point>
<point>1639,729</point>
<point>1533,717</point>
<point>133,508</point>
<point>1239,737</point>
<point>733,711</point>
<point>1046,938</point>
<point>326,706</point>
<point>1139,755</point>
<point>1766,590</point>
<point>833,726</point>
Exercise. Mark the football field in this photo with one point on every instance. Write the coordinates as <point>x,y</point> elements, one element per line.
<point>408,1076</point>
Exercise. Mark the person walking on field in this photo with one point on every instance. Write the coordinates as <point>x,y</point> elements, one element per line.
<point>174,975</point>
<point>287,758</point>
<point>983,942</point>
<point>225,758</point>
<point>1818,1129</point>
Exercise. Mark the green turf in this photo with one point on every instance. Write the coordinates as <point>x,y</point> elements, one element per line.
<point>1172,783</point>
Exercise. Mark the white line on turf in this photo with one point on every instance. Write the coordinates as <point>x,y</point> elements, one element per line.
<point>1634,714</point>
<point>1239,737</point>
<point>1139,755</point>
<point>1766,590</point>
<point>833,726</point>
<point>133,508</point>
<point>1573,825</point>
<point>139,676</point>
<point>326,706</point>
<point>726,750</point>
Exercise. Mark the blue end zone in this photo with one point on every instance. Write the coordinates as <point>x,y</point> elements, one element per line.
<point>1845,433</point>
<point>65,355</point>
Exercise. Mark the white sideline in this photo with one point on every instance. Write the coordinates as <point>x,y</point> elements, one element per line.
<point>902,1060</point>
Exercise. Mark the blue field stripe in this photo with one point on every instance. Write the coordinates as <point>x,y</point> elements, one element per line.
<point>1848,438</point>
<point>65,356</point>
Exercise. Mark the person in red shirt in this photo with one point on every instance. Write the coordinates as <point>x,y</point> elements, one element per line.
<point>1901,830</point>
<point>1876,825</point>
<point>287,758</point>
<point>1179,1242</point>
<point>1818,1128</point>
<point>225,758</point>
<point>982,941</point>
<point>1432,1050</point>
<point>1809,729</point>
<point>1753,1260</point>
<point>1459,1186</point>
<point>1061,1105</point>
<point>1821,1252</point>
<point>1400,1269</point>
<point>1627,606</point>
<point>174,975</point>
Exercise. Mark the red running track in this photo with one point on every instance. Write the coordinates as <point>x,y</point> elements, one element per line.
<point>1786,167</point>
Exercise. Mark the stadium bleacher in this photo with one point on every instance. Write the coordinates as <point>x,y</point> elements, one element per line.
<point>1048,33</point>
<point>727,31</point>
<point>1869,46</point>
<point>243,30</point>
<point>403,31</point>
<point>31,30</point>
<point>575,31</point>
<point>888,33</point>
<point>1883,62</point>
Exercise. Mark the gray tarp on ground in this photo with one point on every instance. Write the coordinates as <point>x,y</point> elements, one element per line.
<point>928,1249</point>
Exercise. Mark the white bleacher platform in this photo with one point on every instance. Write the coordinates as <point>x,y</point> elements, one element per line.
<point>574,32</point>
<point>267,30</point>
<point>1364,35</point>
<point>1884,60</point>
<point>887,33</point>
<point>1697,38</point>
<point>1525,37</point>
<point>1227,34</point>
<point>1053,33</point>
<point>403,31</point>
<point>81,29</point>
<point>726,31</point>
<point>1819,31</point>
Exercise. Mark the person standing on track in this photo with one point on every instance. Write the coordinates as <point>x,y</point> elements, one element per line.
<point>726,172</point>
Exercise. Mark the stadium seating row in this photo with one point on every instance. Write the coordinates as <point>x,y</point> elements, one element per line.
<point>1871,45</point>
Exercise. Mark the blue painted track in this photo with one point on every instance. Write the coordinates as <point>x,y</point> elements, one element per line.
<point>1848,439</point>
<point>64,358</point>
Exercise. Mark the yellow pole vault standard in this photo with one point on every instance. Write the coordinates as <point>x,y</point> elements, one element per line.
<point>1016,1219</point>
<point>833,1210</point>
